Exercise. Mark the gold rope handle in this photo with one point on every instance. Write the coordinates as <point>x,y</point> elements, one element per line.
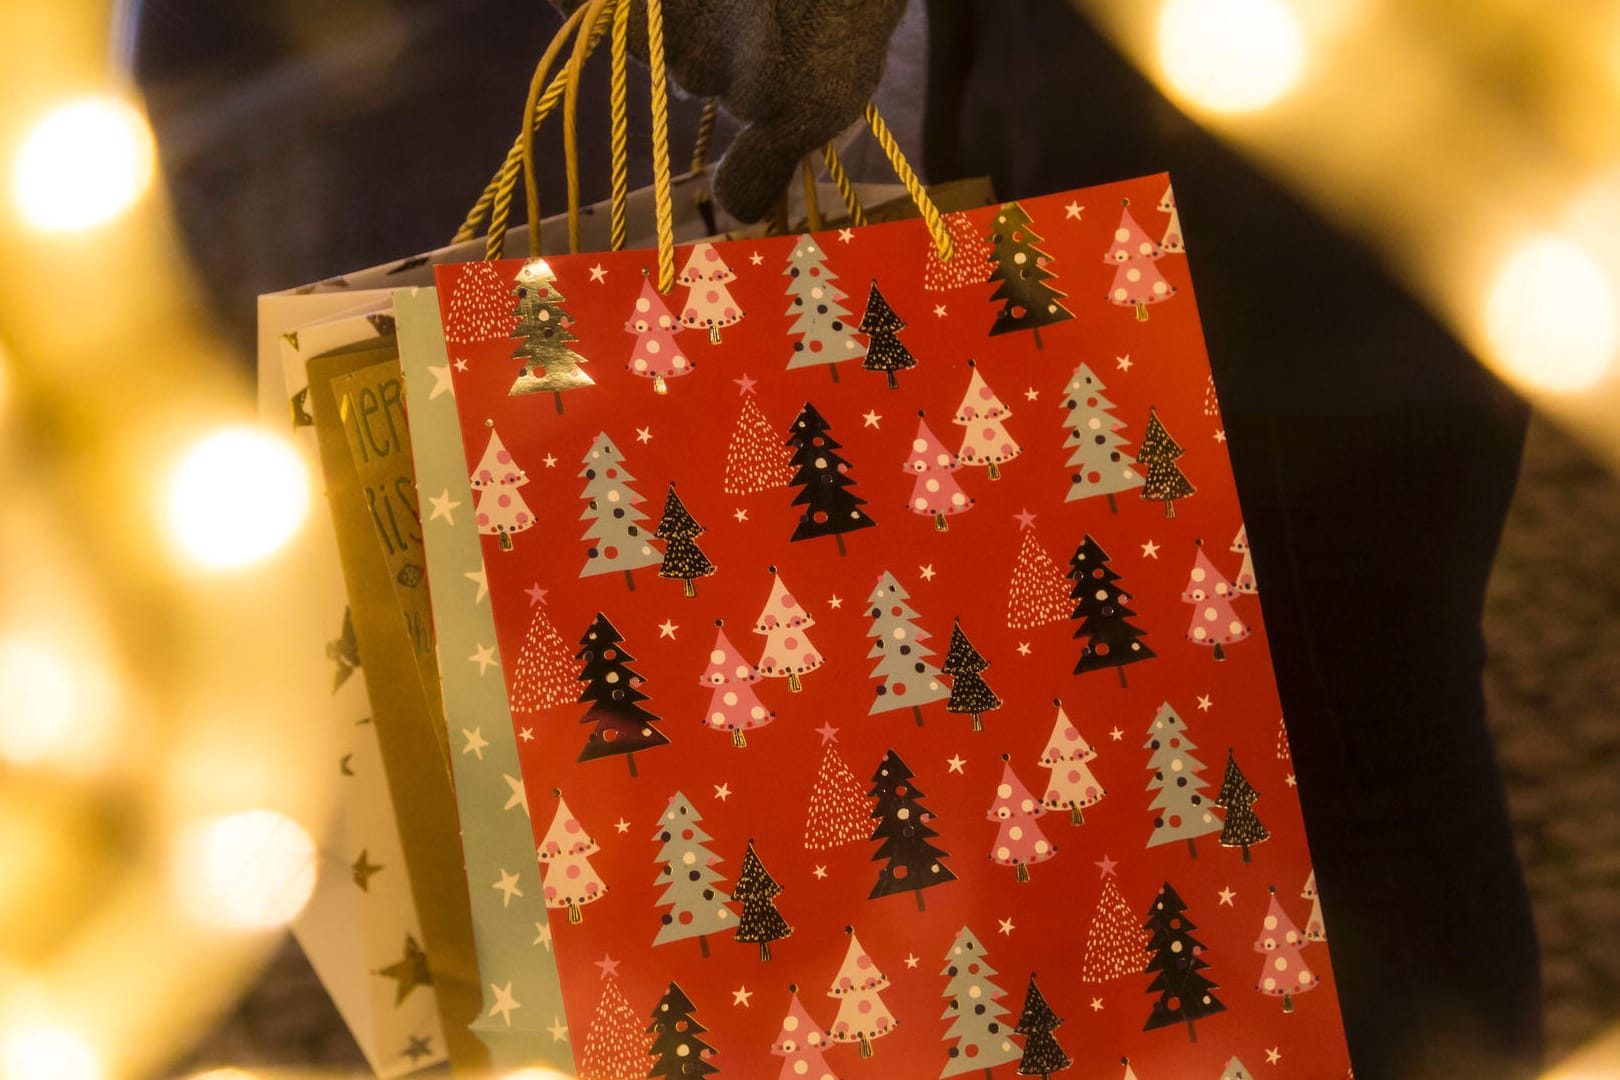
<point>846,190</point>
<point>919,194</point>
<point>705,134</point>
<point>660,118</point>
<point>619,230</point>
<point>576,64</point>
<point>812,205</point>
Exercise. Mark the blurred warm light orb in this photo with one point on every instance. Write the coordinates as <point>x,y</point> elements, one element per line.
<point>82,164</point>
<point>1230,56</point>
<point>1551,318</point>
<point>223,1074</point>
<point>58,708</point>
<point>236,497</point>
<point>245,871</point>
<point>47,1053</point>
<point>535,1073</point>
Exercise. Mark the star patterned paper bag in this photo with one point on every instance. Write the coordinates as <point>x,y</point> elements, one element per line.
<point>892,690</point>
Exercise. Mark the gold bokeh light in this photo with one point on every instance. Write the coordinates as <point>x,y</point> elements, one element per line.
<point>47,1053</point>
<point>83,164</point>
<point>1551,317</point>
<point>236,497</point>
<point>59,707</point>
<point>245,871</point>
<point>1230,56</point>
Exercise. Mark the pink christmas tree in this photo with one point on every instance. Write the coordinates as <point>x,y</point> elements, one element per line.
<point>479,309</point>
<point>1137,282</point>
<point>1284,972</point>
<point>1039,592</point>
<point>862,1016</point>
<point>1214,623</point>
<point>1314,928</point>
<point>983,415</point>
<point>788,651</point>
<point>840,811</point>
<point>1244,582</point>
<point>734,706</point>
<point>546,675</point>
<point>1072,786</point>
<point>970,256</point>
<point>616,1044</point>
<point>801,1041</point>
<point>708,304</point>
<point>655,354</point>
<point>1171,244</point>
<point>935,491</point>
<point>569,879</point>
<point>500,510</point>
<point>756,459</point>
<point>1019,842</point>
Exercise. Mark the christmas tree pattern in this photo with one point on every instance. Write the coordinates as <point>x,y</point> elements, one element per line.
<point>885,351</point>
<point>1116,941</point>
<point>862,1016</point>
<point>708,303</point>
<point>1165,482</point>
<point>1130,1073</point>
<point>983,417</point>
<point>1214,623</point>
<point>678,1051</point>
<point>830,508</point>
<point>1283,753</point>
<point>1244,582</point>
<point>1019,840</point>
<point>616,1045</point>
<point>1241,828</point>
<point>1039,591</point>
<point>617,542</point>
<point>788,651</point>
<point>801,1041</point>
<point>1097,465</point>
<point>479,309</point>
<point>545,676</point>
<point>1176,959</point>
<point>1172,243</point>
<point>734,706</point>
<point>969,692</point>
<point>1236,1070</point>
<point>908,679</point>
<point>569,879</point>
<point>1021,276</point>
<point>1284,972</point>
<point>903,827</point>
<point>683,559</point>
<point>1042,1055</point>
<point>975,1010</point>
<point>821,322</point>
<point>655,354</point>
<point>970,252</point>
<point>756,460</point>
<point>1072,786</point>
<point>1099,605</point>
<point>500,510</point>
<point>612,688</point>
<point>1137,282</point>
<point>1182,812</point>
<point>934,491</point>
<point>696,908</point>
<point>760,923</point>
<point>840,812</point>
<point>1314,928</point>
<point>548,363</point>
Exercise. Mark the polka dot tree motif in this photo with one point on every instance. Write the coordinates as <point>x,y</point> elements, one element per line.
<point>1097,464</point>
<point>982,416</point>
<point>801,1041</point>
<point>500,510</point>
<point>788,651</point>
<point>1176,961</point>
<point>821,322</point>
<point>677,1050</point>
<point>1019,840</point>
<point>970,256</point>
<point>1314,929</point>
<point>546,675</point>
<point>708,304</point>
<point>569,880</point>
<point>1071,786</point>
<point>934,491</point>
<point>1130,1073</point>
<point>1214,623</point>
<point>1244,582</point>
<point>1099,604</point>
<point>655,354</point>
<point>1284,972</point>
<point>903,827</point>
<point>840,811</point>
<point>1236,1070</point>
<point>908,679</point>
<point>616,1046</point>
<point>862,1016</point>
<point>983,1039</point>
<point>1042,1054</point>
<point>1021,276</point>
<point>1241,828</point>
<point>616,541</point>
<point>969,692</point>
<point>479,308</point>
<point>756,459</point>
<point>696,907</point>
<point>683,559</point>
<point>1181,810</point>
<point>1116,942</point>
<point>1165,482</point>
<point>734,706</point>
<point>760,922</point>
<point>1137,282</point>
<point>885,351</point>
<point>548,363</point>
<point>1171,243</point>
<point>613,689</point>
<point>830,508</point>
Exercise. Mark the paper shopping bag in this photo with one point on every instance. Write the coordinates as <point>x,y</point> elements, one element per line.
<point>876,624</point>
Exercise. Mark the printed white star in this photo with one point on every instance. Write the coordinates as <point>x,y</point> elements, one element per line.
<point>1290,781</point>
<point>911,960</point>
<point>477,578</point>
<point>722,792</point>
<point>1123,362</point>
<point>820,872</point>
<point>542,935</point>
<point>484,658</point>
<point>519,796</point>
<point>939,311</point>
<point>527,734</point>
<point>956,761</point>
<point>756,258</point>
<point>1204,704</point>
<point>558,1030</point>
<point>1220,436</point>
<point>644,435</point>
<point>441,381</point>
<point>504,1002</point>
<point>461,365</point>
<point>1150,550</point>
<point>1006,926</point>
<point>1273,1055</point>
<point>1226,895</point>
<point>846,235</point>
<point>508,886</point>
<point>666,629</point>
<point>551,462</point>
<point>871,418</point>
<point>1072,211</point>
<point>1031,394</point>
<point>1096,1004</point>
<point>597,273</point>
<point>622,825</point>
<point>443,505</point>
<point>927,572</point>
<point>475,742</point>
<point>835,602</point>
<point>1023,648</point>
<point>1117,734</point>
<point>740,514</point>
<point>740,996</point>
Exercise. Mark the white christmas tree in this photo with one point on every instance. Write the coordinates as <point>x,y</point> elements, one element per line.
<point>862,1015</point>
<point>983,418</point>
<point>500,509</point>
<point>570,880</point>
<point>788,652</point>
<point>1072,786</point>
<point>708,305</point>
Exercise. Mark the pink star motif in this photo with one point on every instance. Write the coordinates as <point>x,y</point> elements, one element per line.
<point>827,732</point>
<point>1107,865</point>
<point>608,965</point>
<point>746,384</point>
<point>537,595</point>
<point>1026,520</point>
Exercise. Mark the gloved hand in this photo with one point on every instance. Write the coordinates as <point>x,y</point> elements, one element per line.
<point>794,72</point>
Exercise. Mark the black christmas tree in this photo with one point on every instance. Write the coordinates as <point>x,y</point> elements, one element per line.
<point>969,692</point>
<point>1176,958</point>
<point>1042,1054</point>
<point>760,922</point>
<point>677,1052</point>
<point>1111,641</point>
<point>1028,302</point>
<point>622,726</point>
<point>830,508</point>
<point>1237,798</point>
<point>682,557</point>
<point>902,824</point>
<point>548,362</point>
<point>885,351</point>
<point>1165,481</point>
